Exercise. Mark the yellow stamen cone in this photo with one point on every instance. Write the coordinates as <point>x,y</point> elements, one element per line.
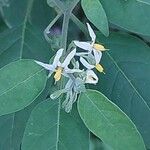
<point>99,47</point>
<point>57,75</point>
<point>99,68</point>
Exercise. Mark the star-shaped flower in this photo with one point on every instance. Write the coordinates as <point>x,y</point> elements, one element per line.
<point>90,46</point>
<point>60,68</point>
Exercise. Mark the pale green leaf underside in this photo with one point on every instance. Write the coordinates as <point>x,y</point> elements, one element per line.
<point>108,122</point>
<point>127,78</point>
<point>96,14</point>
<point>20,83</point>
<point>50,128</point>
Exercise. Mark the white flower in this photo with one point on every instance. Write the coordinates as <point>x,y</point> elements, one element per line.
<point>60,68</point>
<point>90,46</point>
<point>89,66</point>
<point>91,77</point>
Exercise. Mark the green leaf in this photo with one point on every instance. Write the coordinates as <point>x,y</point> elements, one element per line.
<point>20,83</point>
<point>96,14</point>
<point>12,126</point>
<point>41,14</point>
<point>17,12</point>
<point>108,122</point>
<point>132,15</point>
<point>97,144</point>
<point>2,25</point>
<point>127,78</point>
<point>5,130</point>
<point>52,128</point>
<point>23,42</point>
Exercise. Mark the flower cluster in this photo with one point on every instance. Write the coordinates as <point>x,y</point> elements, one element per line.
<point>69,66</point>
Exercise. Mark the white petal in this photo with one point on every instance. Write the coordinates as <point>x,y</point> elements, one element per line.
<point>50,73</point>
<point>97,55</point>
<point>77,65</point>
<point>91,32</point>
<point>82,53</point>
<point>46,66</point>
<point>84,45</point>
<point>69,83</point>
<point>57,57</point>
<point>91,77</point>
<point>86,64</point>
<point>67,70</point>
<point>68,58</point>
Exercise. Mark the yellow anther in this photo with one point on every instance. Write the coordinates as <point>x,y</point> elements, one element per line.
<point>99,68</point>
<point>58,73</point>
<point>99,47</point>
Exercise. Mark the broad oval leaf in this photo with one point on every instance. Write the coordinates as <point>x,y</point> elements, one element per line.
<point>20,83</point>
<point>12,126</point>
<point>127,78</point>
<point>108,122</point>
<point>132,15</point>
<point>96,14</point>
<point>49,127</point>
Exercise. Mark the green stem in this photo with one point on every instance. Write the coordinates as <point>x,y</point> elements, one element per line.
<point>60,5</point>
<point>65,30</point>
<point>50,25</point>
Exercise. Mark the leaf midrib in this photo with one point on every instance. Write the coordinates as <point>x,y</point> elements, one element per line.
<point>28,11</point>
<point>99,110</point>
<point>18,84</point>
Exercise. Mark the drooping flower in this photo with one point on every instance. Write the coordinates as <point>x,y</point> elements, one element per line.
<point>91,77</point>
<point>73,87</point>
<point>60,68</point>
<point>92,66</point>
<point>90,46</point>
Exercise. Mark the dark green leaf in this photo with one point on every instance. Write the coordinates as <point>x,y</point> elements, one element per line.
<point>52,128</point>
<point>20,83</point>
<point>132,15</point>
<point>96,14</point>
<point>6,130</point>
<point>41,14</point>
<point>23,42</point>
<point>17,12</point>
<point>127,78</point>
<point>108,122</point>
